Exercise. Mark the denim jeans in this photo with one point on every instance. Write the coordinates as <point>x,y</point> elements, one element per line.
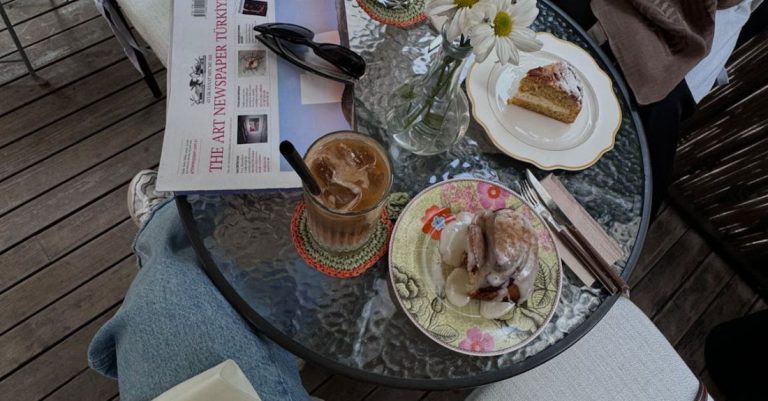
<point>175,324</point>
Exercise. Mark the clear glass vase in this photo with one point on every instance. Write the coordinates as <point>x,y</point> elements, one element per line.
<point>429,113</point>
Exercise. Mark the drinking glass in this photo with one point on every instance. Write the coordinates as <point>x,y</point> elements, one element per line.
<point>344,231</point>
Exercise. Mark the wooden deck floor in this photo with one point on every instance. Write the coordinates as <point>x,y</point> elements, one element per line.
<point>67,153</point>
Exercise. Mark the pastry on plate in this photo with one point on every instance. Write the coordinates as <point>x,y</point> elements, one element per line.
<point>511,257</point>
<point>495,255</point>
<point>553,90</point>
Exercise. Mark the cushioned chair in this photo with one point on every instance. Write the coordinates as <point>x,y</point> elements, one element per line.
<point>623,358</point>
<point>151,19</point>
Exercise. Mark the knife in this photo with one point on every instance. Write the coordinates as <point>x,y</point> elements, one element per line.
<point>561,218</point>
<point>569,241</point>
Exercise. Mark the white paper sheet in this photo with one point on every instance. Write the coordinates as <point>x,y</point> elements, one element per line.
<point>222,382</point>
<point>316,89</point>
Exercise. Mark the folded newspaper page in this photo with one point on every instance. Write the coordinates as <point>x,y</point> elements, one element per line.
<point>232,101</point>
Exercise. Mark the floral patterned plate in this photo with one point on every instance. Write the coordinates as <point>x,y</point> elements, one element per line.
<point>418,275</point>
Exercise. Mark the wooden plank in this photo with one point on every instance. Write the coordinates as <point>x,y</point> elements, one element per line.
<point>712,388</point>
<point>96,91</point>
<point>313,377</point>
<point>85,224</point>
<point>48,24</point>
<point>65,275</point>
<point>28,9</point>
<point>389,394</point>
<point>720,167</point>
<point>454,395</point>
<point>733,301</point>
<point>343,388</point>
<point>59,320</point>
<point>15,262</point>
<point>689,303</point>
<point>61,73</point>
<point>78,192</point>
<point>662,235</point>
<point>653,291</point>
<point>48,173</point>
<point>57,47</point>
<point>48,246</point>
<point>56,366</point>
<point>714,238</point>
<point>87,386</point>
<point>44,142</point>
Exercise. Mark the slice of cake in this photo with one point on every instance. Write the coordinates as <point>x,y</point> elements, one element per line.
<point>553,90</point>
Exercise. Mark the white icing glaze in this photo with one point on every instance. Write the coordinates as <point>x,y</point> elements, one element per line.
<point>568,81</point>
<point>456,287</point>
<point>453,242</point>
<point>516,264</point>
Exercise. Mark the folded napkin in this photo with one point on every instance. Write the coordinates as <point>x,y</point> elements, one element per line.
<point>606,246</point>
<point>224,381</point>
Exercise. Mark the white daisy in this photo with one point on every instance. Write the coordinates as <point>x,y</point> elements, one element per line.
<point>460,13</point>
<point>504,26</point>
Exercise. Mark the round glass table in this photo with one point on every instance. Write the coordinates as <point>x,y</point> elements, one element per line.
<point>352,326</point>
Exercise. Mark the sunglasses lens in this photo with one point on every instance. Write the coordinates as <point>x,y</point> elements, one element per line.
<point>290,31</point>
<point>329,60</point>
<point>343,57</point>
<point>305,56</point>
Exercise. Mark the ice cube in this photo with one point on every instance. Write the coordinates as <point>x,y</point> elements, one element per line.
<point>340,197</point>
<point>323,169</point>
<point>356,157</point>
<point>363,158</point>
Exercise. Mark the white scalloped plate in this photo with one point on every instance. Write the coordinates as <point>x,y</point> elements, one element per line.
<point>528,136</point>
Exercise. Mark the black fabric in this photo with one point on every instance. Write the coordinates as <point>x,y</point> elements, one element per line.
<point>758,21</point>
<point>736,353</point>
<point>661,120</point>
<point>579,10</point>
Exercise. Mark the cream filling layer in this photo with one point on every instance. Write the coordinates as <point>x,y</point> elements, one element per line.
<point>543,103</point>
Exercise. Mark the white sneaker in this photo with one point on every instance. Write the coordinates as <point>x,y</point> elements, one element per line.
<point>142,196</point>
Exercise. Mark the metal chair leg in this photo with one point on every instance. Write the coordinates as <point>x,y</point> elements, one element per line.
<point>20,48</point>
<point>149,78</point>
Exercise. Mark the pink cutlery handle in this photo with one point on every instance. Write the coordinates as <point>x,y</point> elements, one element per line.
<point>601,263</point>
<point>587,260</point>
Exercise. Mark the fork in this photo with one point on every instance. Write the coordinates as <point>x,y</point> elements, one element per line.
<point>568,239</point>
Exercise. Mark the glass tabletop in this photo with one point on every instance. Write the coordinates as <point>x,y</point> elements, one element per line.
<point>354,326</point>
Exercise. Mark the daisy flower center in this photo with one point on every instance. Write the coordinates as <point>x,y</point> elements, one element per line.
<point>465,3</point>
<point>502,24</point>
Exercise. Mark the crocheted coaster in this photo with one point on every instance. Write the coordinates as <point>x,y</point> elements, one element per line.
<point>341,265</point>
<point>398,16</point>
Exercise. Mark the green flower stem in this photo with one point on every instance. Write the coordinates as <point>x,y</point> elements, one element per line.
<point>441,84</point>
<point>431,97</point>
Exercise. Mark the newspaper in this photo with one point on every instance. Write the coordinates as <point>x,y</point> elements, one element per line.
<point>232,101</point>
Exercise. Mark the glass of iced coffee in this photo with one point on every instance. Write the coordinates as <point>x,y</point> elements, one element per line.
<point>355,176</point>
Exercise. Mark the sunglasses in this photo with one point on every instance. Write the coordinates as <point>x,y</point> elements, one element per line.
<point>291,42</point>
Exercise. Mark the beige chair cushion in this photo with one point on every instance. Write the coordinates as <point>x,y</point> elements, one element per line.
<point>623,358</point>
<point>152,19</point>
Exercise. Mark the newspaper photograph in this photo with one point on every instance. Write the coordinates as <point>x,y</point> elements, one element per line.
<point>231,100</point>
